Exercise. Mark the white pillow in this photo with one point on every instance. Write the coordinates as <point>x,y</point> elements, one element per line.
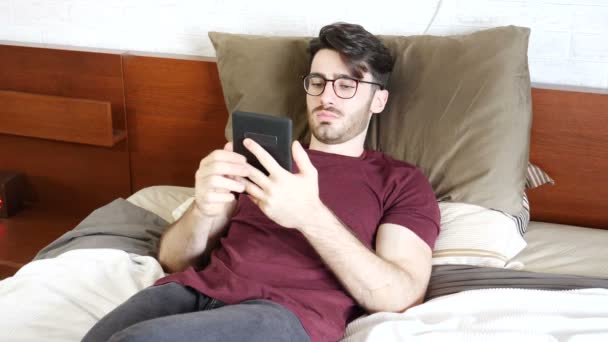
<point>470,234</point>
<point>179,211</point>
<point>162,199</point>
<point>477,236</point>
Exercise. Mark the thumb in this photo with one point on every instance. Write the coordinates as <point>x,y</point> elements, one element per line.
<point>300,157</point>
<point>228,146</point>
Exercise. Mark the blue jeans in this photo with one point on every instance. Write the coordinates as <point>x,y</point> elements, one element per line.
<point>172,312</point>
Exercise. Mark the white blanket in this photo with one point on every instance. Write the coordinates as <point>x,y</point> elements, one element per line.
<point>493,315</point>
<point>60,299</point>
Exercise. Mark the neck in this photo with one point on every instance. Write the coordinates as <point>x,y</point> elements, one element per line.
<point>351,148</point>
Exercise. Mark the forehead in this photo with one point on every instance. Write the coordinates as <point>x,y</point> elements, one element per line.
<point>329,63</point>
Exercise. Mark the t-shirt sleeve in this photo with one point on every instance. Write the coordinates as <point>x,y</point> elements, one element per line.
<point>411,203</point>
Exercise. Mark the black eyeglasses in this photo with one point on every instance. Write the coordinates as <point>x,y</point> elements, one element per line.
<point>344,86</point>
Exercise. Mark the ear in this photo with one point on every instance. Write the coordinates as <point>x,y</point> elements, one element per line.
<point>379,101</point>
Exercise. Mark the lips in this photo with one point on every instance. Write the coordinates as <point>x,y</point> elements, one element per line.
<point>325,115</point>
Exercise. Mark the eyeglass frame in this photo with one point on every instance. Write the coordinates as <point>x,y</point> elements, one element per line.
<point>333,84</point>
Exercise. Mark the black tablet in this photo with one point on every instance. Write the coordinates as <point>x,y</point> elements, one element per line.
<point>273,133</point>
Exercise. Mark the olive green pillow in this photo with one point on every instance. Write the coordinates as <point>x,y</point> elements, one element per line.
<point>460,109</point>
<point>263,74</point>
<point>459,106</point>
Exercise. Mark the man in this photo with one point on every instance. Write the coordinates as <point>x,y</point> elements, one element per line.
<point>295,256</point>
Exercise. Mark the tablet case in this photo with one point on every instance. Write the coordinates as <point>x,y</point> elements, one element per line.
<point>273,133</point>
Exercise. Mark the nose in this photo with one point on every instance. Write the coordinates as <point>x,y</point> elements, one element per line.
<point>328,96</point>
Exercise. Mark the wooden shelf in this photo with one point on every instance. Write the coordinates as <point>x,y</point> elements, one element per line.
<point>58,118</point>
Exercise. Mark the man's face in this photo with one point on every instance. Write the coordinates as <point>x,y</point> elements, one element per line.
<point>334,120</point>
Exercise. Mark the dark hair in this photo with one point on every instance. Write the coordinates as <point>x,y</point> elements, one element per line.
<point>362,50</point>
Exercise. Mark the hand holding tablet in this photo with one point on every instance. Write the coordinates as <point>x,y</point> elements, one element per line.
<point>273,133</point>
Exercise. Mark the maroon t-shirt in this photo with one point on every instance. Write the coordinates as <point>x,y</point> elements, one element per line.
<point>258,259</point>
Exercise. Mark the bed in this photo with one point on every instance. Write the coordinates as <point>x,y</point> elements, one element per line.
<point>495,276</point>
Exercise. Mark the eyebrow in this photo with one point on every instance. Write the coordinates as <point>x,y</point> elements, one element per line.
<point>335,75</point>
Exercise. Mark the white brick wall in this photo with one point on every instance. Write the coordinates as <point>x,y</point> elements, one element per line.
<point>568,45</point>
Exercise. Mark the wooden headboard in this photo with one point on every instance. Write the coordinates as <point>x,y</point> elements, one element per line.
<point>570,142</point>
<point>173,111</point>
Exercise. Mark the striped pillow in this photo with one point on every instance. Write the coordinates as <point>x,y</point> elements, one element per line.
<point>536,177</point>
<point>523,218</point>
<point>472,235</point>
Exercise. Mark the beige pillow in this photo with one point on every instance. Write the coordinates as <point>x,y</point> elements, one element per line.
<point>459,106</point>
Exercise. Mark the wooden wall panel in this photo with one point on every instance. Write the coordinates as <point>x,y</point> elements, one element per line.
<point>176,116</point>
<point>570,142</point>
<point>22,236</point>
<point>67,176</point>
<point>69,73</point>
<point>58,118</point>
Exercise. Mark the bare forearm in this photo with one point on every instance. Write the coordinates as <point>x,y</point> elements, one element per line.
<point>190,240</point>
<point>376,284</point>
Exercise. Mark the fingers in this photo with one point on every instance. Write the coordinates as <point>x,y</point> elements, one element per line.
<point>214,203</point>
<point>223,156</point>
<point>229,146</point>
<point>300,157</point>
<point>223,169</point>
<point>223,184</point>
<point>254,191</point>
<point>210,197</point>
<point>258,177</point>
<point>217,180</point>
<point>263,157</point>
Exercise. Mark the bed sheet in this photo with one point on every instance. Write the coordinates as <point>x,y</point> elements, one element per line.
<point>564,249</point>
<point>59,299</point>
<point>493,315</point>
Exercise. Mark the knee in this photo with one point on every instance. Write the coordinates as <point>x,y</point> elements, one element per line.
<point>141,332</point>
